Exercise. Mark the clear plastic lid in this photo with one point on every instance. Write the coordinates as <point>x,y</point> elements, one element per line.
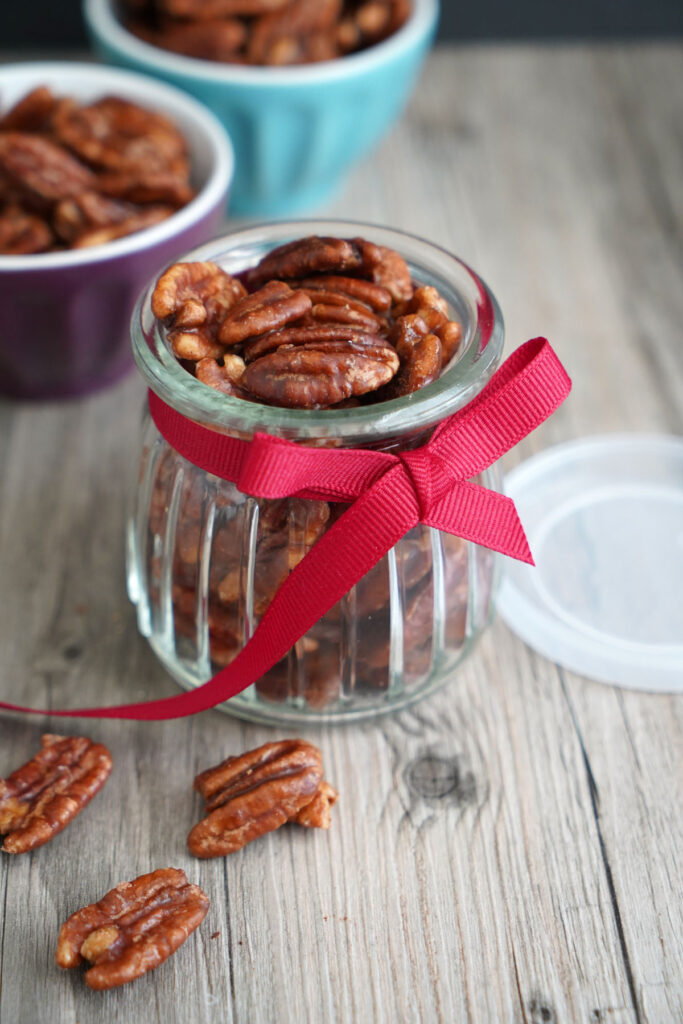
<point>604,518</point>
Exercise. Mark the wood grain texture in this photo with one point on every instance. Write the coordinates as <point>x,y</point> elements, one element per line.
<point>509,850</point>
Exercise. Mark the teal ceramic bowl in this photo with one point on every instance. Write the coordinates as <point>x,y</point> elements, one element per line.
<point>296,130</point>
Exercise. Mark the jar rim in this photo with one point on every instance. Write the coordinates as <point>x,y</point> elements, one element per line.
<point>479,354</point>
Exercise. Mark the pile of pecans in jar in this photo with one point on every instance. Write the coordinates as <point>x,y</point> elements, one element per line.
<point>266,32</point>
<point>74,176</point>
<point>319,323</point>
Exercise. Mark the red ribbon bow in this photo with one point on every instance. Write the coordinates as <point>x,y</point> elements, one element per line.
<point>388,495</point>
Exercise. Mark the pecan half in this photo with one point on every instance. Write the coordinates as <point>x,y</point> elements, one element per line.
<point>201,9</point>
<point>372,295</point>
<point>32,113</point>
<point>207,40</point>
<point>420,355</point>
<point>311,255</point>
<point>277,38</point>
<point>72,217</point>
<point>321,374</point>
<point>428,304</point>
<point>39,799</point>
<point>387,268</point>
<point>225,378</point>
<point>305,335</point>
<point>191,294</point>
<point>41,172</point>
<point>147,186</point>
<point>335,307</point>
<point>137,221</point>
<point>256,793</point>
<point>22,233</point>
<point>118,135</point>
<point>195,344</point>
<point>133,928</point>
<point>270,307</point>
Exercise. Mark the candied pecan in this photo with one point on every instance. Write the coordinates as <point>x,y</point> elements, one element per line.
<point>190,294</point>
<point>306,256</point>
<point>272,306</point>
<point>41,172</point>
<point>137,221</point>
<point>39,799</point>
<point>256,793</point>
<point>72,217</point>
<point>276,38</point>
<point>317,813</point>
<point>330,307</point>
<point>321,374</point>
<point>32,113</point>
<point>387,268</point>
<point>224,378</point>
<point>320,46</point>
<point>22,233</point>
<point>428,304</point>
<point>194,344</point>
<point>372,295</point>
<point>202,9</point>
<point>420,355</point>
<point>133,928</point>
<point>118,135</point>
<point>306,334</point>
<point>143,186</point>
<point>206,40</point>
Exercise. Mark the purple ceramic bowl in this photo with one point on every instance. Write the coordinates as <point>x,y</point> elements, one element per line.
<point>64,316</point>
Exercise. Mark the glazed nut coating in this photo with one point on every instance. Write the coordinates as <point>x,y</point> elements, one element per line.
<point>91,174</point>
<point>257,792</point>
<point>133,928</point>
<point>39,799</point>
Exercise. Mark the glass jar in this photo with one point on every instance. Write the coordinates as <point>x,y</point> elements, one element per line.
<point>204,560</point>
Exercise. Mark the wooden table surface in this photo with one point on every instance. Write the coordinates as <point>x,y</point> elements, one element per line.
<point>508,850</point>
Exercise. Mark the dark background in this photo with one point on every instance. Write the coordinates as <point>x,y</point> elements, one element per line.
<point>42,24</point>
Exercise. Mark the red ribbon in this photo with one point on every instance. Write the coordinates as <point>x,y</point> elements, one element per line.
<point>388,496</point>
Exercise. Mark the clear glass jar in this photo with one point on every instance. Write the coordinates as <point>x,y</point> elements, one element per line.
<point>204,560</point>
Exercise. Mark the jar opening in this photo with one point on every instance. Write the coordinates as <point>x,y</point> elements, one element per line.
<point>472,302</point>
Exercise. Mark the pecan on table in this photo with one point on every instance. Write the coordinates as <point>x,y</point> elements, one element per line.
<point>39,799</point>
<point>257,792</point>
<point>133,928</point>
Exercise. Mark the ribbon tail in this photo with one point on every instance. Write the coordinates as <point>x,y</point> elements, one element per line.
<point>482,516</point>
<point>364,534</point>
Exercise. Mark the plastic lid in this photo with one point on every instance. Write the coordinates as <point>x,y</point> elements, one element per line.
<point>604,518</point>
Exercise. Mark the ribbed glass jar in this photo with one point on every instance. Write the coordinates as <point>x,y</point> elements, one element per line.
<point>204,560</point>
